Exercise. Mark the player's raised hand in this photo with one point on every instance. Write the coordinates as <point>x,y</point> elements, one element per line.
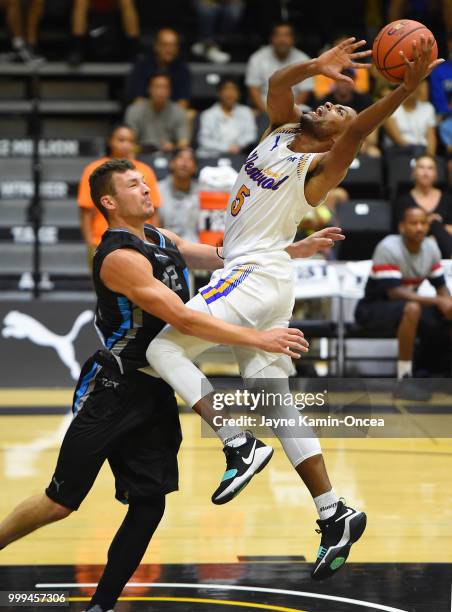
<point>323,239</point>
<point>331,63</point>
<point>283,340</point>
<point>420,66</point>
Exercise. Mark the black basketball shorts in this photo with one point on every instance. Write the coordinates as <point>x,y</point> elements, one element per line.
<point>133,421</point>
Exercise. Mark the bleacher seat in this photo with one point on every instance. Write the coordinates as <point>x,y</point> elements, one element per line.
<point>363,215</point>
<point>15,259</point>
<point>69,170</point>
<point>365,177</point>
<point>75,127</point>
<point>205,78</point>
<point>315,328</point>
<point>62,213</point>
<point>13,212</point>
<point>365,222</point>
<point>64,258</point>
<point>356,331</point>
<point>159,162</point>
<point>222,159</point>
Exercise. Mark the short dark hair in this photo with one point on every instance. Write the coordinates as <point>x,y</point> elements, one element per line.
<point>407,209</point>
<point>282,24</point>
<point>178,151</point>
<point>227,78</point>
<point>115,128</point>
<point>101,180</point>
<point>159,73</point>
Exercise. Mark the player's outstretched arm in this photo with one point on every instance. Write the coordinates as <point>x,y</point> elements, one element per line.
<point>206,257</point>
<point>333,166</point>
<point>197,256</point>
<point>127,272</point>
<point>281,107</point>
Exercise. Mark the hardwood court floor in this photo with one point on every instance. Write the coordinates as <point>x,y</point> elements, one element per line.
<point>404,486</point>
<point>237,587</point>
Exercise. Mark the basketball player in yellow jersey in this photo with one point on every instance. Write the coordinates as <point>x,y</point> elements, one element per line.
<point>301,157</point>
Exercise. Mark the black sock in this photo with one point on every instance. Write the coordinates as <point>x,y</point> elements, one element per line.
<point>127,549</point>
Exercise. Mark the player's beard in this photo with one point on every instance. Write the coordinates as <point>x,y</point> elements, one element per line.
<point>308,126</point>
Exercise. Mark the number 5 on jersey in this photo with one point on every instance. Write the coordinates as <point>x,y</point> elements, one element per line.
<point>237,204</point>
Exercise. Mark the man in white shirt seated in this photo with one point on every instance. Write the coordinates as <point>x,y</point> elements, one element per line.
<point>227,126</point>
<point>265,61</point>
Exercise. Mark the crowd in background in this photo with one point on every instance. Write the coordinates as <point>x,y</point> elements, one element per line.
<point>159,107</point>
<point>161,115</point>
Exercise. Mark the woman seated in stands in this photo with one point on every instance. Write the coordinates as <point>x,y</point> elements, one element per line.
<point>435,202</point>
<point>412,127</point>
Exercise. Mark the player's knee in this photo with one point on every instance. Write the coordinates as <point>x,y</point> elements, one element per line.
<point>148,511</point>
<point>158,350</point>
<point>412,311</point>
<point>55,511</point>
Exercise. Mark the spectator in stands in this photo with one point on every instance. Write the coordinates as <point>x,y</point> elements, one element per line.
<point>165,58</point>
<point>24,32</point>
<point>435,203</point>
<point>216,19</point>
<point>345,93</point>
<point>441,90</point>
<point>158,123</point>
<point>80,14</point>
<point>120,144</point>
<point>391,302</point>
<point>263,63</point>
<point>179,191</point>
<point>441,84</point>
<point>227,126</point>
<point>324,85</point>
<point>412,127</point>
<point>435,14</point>
<point>323,216</point>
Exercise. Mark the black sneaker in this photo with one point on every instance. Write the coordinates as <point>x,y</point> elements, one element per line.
<point>410,389</point>
<point>242,462</point>
<point>339,532</point>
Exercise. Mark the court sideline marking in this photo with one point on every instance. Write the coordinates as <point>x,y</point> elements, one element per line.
<point>221,602</point>
<point>190,585</point>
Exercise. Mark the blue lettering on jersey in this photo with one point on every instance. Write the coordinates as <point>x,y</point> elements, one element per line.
<point>294,158</point>
<point>276,143</point>
<point>261,179</point>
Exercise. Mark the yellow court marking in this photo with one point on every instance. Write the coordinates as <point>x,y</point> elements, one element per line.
<point>220,602</point>
<point>36,396</point>
<point>41,396</point>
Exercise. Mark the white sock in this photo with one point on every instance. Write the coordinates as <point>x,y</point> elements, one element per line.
<point>232,436</point>
<point>18,42</point>
<point>404,368</point>
<point>326,504</point>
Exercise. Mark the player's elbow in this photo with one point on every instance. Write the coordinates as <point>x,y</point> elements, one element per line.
<point>185,322</point>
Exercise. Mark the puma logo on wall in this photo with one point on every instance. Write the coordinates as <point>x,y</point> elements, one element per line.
<point>22,326</point>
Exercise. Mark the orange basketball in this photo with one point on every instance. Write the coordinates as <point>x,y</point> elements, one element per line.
<point>393,38</point>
